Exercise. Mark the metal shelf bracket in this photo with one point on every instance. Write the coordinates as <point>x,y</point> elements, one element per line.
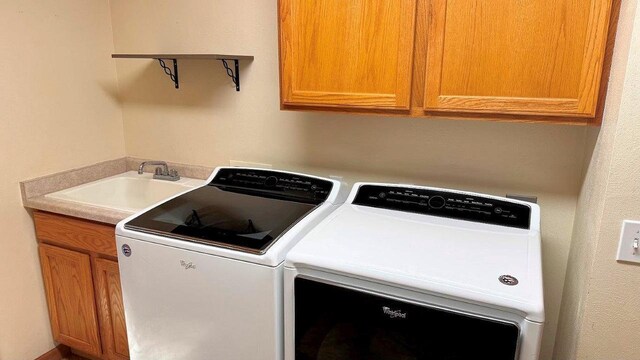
<point>233,71</point>
<point>167,70</point>
<point>234,75</point>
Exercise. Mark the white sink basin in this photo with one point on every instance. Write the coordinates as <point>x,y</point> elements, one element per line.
<point>126,192</point>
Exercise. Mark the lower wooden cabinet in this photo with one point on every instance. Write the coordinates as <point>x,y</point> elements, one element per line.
<point>82,285</point>
<point>69,289</point>
<point>111,309</point>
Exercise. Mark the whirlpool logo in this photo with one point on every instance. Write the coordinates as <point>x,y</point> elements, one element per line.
<point>394,314</point>
<point>187,265</point>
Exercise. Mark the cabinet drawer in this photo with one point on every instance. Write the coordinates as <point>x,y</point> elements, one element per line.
<point>76,233</point>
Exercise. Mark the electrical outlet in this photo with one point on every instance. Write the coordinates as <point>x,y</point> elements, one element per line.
<point>250,164</point>
<point>629,248</point>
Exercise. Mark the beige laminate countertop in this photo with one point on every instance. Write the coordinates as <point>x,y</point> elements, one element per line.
<point>34,190</point>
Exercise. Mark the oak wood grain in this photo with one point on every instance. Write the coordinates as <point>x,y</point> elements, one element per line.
<point>69,292</point>
<point>608,59</point>
<point>355,54</point>
<point>75,233</point>
<point>419,112</point>
<point>111,309</point>
<point>558,107</point>
<point>542,57</point>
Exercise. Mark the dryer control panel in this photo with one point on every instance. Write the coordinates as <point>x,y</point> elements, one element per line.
<point>447,204</point>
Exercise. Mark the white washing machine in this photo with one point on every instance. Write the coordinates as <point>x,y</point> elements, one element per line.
<point>202,272</point>
<point>409,272</point>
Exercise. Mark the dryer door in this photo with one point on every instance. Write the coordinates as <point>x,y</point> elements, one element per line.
<point>332,322</point>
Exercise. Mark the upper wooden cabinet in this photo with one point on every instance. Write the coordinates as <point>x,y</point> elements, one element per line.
<point>355,53</point>
<point>522,57</point>
<point>525,60</point>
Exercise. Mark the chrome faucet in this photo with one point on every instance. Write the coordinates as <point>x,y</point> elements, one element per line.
<point>163,173</point>
<point>165,167</point>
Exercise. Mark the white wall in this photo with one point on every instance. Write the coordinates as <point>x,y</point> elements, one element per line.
<point>58,111</point>
<point>206,122</point>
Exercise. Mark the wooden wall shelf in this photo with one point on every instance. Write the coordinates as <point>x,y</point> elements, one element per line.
<point>234,73</point>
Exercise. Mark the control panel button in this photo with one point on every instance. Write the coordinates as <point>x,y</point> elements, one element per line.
<point>271,181</point>
<point>437,202</point>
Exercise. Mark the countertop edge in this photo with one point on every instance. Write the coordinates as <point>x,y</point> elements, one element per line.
<point>87,212</point>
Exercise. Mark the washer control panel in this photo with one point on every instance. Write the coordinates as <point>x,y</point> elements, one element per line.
<point>275,182</point>
<point>447,204</point>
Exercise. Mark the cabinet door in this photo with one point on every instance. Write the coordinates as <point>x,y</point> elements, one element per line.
<point>353,54</point>
<point>114,331</point>
<point>69,290</point>
<point>529,57</point>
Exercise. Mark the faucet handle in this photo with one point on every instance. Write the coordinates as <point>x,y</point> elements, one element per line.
<point>170,174</point>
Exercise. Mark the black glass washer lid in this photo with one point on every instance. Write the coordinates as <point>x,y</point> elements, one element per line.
<point>223,216</point>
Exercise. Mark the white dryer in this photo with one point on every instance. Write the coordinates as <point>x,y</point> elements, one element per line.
<point>409,272</point>
<point>202,272</point>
